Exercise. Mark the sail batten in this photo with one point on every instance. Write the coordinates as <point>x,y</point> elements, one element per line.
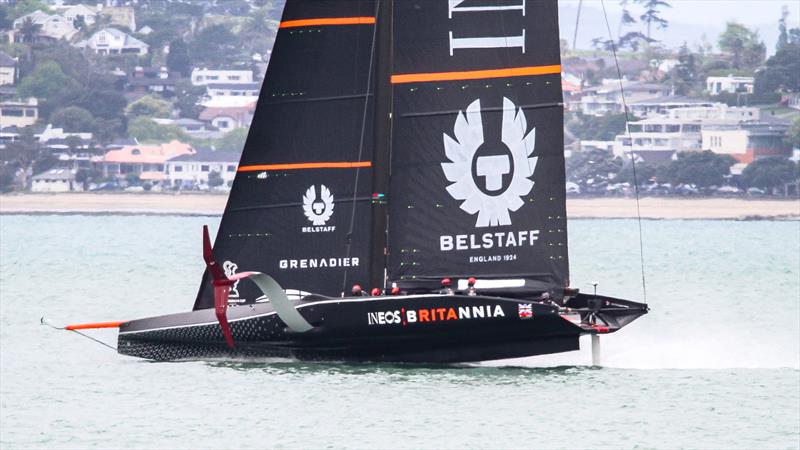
<point>476,74</point>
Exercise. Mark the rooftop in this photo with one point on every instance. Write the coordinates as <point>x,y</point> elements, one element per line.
<point>208,155</point>
<point>6,61</point>
<point>148,154</point>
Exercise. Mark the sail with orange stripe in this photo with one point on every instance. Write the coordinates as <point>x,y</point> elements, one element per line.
<point>305,172</point>
<point>477,143</point>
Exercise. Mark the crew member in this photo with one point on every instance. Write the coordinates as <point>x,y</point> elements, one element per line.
<point>376,292</point>
<point>471,286</point>
<point>446,287</point>
<point>357,291</point>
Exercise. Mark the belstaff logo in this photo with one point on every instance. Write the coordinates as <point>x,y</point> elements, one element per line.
<point>318,210</point>
<point>230,268</point>
<point>490,178</point>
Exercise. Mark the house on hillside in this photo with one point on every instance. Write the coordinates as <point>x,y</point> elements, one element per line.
<point>233,89</point>
<point>8,70</point>
<point>58,138</point>
<point>146,161</point>
<point>52,26</point>
<point>229,113</point>
<point>146,80</point>
<point>203,77</point>
<point>661,106</point>
<point>123,16</point>
<point>748,140</point>
<point>192,170</point>
<point>110,41</point>
<point>74,12</point>
<point>730,84</point>
<point>19,113</point>
<point>607,98</point>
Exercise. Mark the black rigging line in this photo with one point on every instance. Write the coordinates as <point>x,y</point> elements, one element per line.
<point>361,144</point>
<point>633,155</point>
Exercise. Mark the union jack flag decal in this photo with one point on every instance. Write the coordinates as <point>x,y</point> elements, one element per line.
<point>525,310</point>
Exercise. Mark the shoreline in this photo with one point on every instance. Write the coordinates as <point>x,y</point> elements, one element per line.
<point>204,204</point>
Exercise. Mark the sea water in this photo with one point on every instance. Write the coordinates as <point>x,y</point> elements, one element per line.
<point>716,364</point>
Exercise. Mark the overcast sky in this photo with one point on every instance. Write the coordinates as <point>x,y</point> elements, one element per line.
<point>689,19</point>
<point>699,12</point>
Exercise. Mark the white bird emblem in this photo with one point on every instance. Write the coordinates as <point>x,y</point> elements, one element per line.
<point>318,210</point>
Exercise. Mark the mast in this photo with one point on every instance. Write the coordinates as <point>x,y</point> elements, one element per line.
<point>383,142</point>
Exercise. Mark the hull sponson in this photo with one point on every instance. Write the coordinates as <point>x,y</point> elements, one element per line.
<point>426,328</point>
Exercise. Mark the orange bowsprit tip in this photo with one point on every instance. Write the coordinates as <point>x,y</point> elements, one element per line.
<point>91,326</point>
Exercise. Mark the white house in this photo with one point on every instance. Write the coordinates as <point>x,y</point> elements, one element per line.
<point>55,180</point>
<point>731,84</point>
<point>8,69</point>
<point>233,89</point>
<point>188,171</point>
<point>72,12</point>
<point>53,26</point>
<point>110,41</point>
<point>607,99</point>
<point>19,113</point>
<point>202,77</point>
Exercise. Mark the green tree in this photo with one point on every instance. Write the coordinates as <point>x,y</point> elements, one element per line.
<point>24,7</point>
<point>702,169</point>
<point>644,173</point>
<point>595,165</point>
<point>46,81</point>
<point>28,30</point>
<point>215,44</point>
<point>603,128</point>
<point>86,176</point>
<point>73,119</point>
<point>215,179</point>
<point>783,36</point>
<point>232,141</point>
<point>149,106</point>
<point>743,44</point>
<point>652,14</point>
<point>187,99</point>
<point>684,75</point>
<point>793,134</point>
<point>178,57</point>
<point>769,173</point>
<point>146,130</point>
<point>782,72</point>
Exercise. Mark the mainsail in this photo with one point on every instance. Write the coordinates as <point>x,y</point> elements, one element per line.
<point>299,208</point>
<point>403,140</point>
<point>477,170</point>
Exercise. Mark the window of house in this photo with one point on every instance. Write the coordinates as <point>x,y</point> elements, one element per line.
<point>691,128</point>
<point>672,128</point>
<point>136,151</point>
<point>223,124</point>
<point>12,112</point>
<point>204,168</point>
<point>635,128</point>
<point>231,169</point>
<point>234,77</point>
<point>178,168</point>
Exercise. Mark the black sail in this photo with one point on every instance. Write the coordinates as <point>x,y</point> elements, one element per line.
<point>299,208</point>
<point>477,167</point>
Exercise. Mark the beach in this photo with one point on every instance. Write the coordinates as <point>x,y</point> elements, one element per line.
<point>577,208</point>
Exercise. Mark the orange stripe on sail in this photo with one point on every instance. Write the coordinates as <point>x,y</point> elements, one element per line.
<point>328,21</point>
<point>475,74</point>
<point>91,326</point>
<point>299,166</point>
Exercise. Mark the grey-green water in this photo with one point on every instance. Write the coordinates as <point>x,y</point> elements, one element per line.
<point>716,364</point>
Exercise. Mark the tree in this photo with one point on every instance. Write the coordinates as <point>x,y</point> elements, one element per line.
<point>149,106</point>
<point>86,176</point>
<point>215,179</point>
<point>603,128</point>
<point>595,165</point>
<point>783,36</point>
<point>684,75</point>
<point>232,141</point>
<point>46,81</point>
<point>782,72</point>
<point>769,173</point>
<point>644,173</point>
<point>178,57</point>
<point>73,119</point>
<point>145,129</point>
<point>743,44</point>
<point>793,134</point>
<point>187,99</point>
<point>702,169</point>
<point>28,30</point>
<point>215,44</point>
<point>79,23</point>
<point>652,16</point>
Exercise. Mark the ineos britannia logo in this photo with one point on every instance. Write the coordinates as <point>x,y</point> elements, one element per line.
<point>490,178</point>
<point>318,209</point>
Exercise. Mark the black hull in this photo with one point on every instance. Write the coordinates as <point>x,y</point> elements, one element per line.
<point>444,329</point>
